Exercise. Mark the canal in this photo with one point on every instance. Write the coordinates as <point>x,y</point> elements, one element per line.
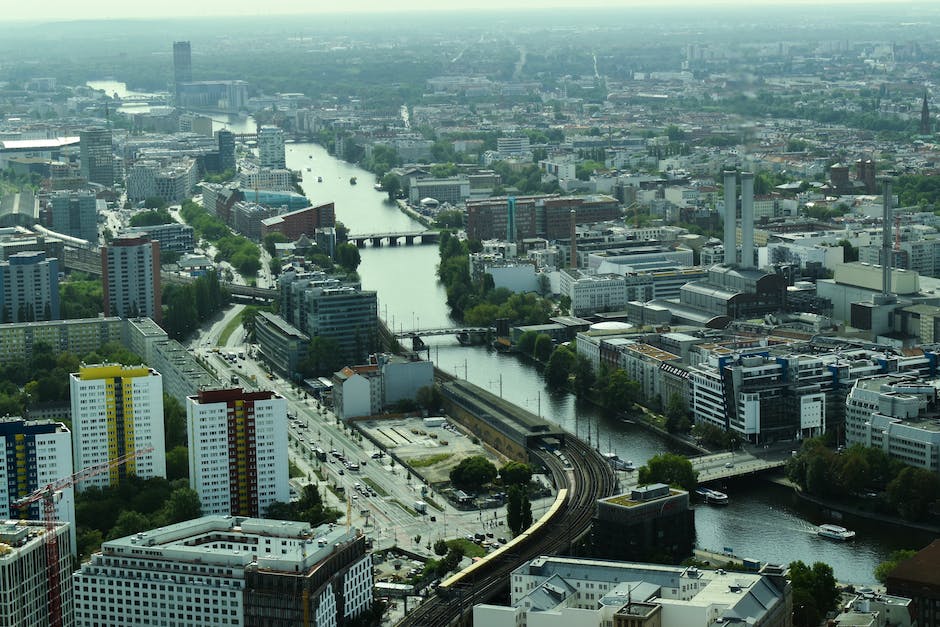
<point>763,521</point>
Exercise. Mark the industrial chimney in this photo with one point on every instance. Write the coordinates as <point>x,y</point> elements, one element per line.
<point>574,239</point>
<point>731,218</point>
<point>747,219</point>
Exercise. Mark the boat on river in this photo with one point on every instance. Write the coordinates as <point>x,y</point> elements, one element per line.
<point>712,497</point>
<point>618,464</point>
<point>835,532</point>
<point>352,180</point>
<point>319,179</point>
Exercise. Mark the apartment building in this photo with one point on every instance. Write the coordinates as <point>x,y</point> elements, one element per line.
<point>25,597</point>
<point>237,450</point>
<point>117,410</point>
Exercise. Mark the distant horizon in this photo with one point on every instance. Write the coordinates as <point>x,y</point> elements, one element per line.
<point>112,10</point>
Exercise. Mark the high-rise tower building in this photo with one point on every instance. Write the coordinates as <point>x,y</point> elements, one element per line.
<point>29,288</point>
<point>925,116</point>
<point>182,64</point>
<point>25,593</point>
<point>226,149</point>
<point>117,410</point>
<point>97,155</point>
<point>130,278</point>
<point>271,147</point>
<point>75,214</point>
<point>33,454</point>
<point>237,450</point>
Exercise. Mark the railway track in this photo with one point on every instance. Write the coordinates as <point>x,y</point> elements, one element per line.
<point>587,477</point>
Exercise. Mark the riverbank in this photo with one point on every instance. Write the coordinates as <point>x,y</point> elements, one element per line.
<point>411,213</point>
<point>841,509</point>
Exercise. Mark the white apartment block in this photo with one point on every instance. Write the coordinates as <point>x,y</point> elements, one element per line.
<point>237,450</point>
<point>899,415</point>
<point>24,576</point>
<point>34,454</point>
<point>117,410</point>
<point>271,152</point>
<point>553,591</point>
<point>226,570</point>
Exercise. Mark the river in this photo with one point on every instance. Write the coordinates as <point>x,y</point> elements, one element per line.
<point>234,123</point>
<point>763,521</point>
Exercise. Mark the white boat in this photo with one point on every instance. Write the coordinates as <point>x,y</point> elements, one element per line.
<point>712,497</point>
<point>835,532</point>
<point>618,464</point>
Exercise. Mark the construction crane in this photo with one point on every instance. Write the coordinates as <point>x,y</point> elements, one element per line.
<point>46,494</point>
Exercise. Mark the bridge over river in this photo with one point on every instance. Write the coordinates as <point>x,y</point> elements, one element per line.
<point>722,466</point>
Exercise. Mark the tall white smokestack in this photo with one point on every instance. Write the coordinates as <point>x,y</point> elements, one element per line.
<point>731,218</point>
<point>747,219</point>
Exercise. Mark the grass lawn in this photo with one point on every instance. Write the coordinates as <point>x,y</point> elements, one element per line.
<point>470,549</point>
<point>372,484</point>
<point>233,324</point>
<point>424,462</point>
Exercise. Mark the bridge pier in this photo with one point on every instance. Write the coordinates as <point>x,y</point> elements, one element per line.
<point>376,242</point>
<point>393,241</point>
<point>409,240</point>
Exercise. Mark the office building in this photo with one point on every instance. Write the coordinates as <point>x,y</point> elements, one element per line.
<point>918,579</point>
<point>75,214</point>
<point>271,148</point>
<point>898,414</point>
<point>172,237</point>
<point>130,278</point>
<point>549,591</point>
<point>650,522</point>
<point>282,345</point>
<point>225,96</point>
<point>306,221</point>
<point>227,570</point>
<point>25,596</point>
<point>593,293</point>
<point>34,453</point>
<point>117,410</point>
<point>347,315</point>
<point>97,156</point>
<point>237,450</point>
<point>182,62</point>
<point>525,217</point>
<point>226,139</point>
<point>29,288</point>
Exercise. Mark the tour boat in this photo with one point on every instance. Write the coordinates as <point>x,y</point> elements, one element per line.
<point>835,532</point>
<point>712,497</point>
<point>352,181</point>
<point>618,464</point>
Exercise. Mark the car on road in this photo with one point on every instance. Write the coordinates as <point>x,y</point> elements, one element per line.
<point>729,465</point>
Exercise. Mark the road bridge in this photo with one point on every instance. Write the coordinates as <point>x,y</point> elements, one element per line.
<point>435,332</point>
<point>724,466</point>
<point>394,238</point>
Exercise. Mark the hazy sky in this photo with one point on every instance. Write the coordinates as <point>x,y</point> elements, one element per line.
<point>53,10</point>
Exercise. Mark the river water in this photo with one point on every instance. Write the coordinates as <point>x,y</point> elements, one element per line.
<point>234,123</point>
<point>763,521</point>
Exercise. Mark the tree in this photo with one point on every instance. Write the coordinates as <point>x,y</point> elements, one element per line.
<point>440,547</point>
<point>472,473</point>
<point>543,347</point>
<point>885,568</point>
<point>391,184</point>
<point>583,376</point>
<point>670,469</point>
<point>559,367</point>
<point>514,498</point>
<point>620,393</point>
<point>677,418</point>
<point>128,523</point>
<point>914,492</point>
<point>814,592</point>
<point>347,255</point>
<point>183,505</point>
<point>515,473</point>
<point>323,357</point>
<point>270,241</point>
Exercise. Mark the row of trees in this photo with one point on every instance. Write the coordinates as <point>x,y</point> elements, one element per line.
<point>912,493</point>
<point>189,305</point>
<point>309,508</point>
<point>80,297</point>
<point>671,469</point>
